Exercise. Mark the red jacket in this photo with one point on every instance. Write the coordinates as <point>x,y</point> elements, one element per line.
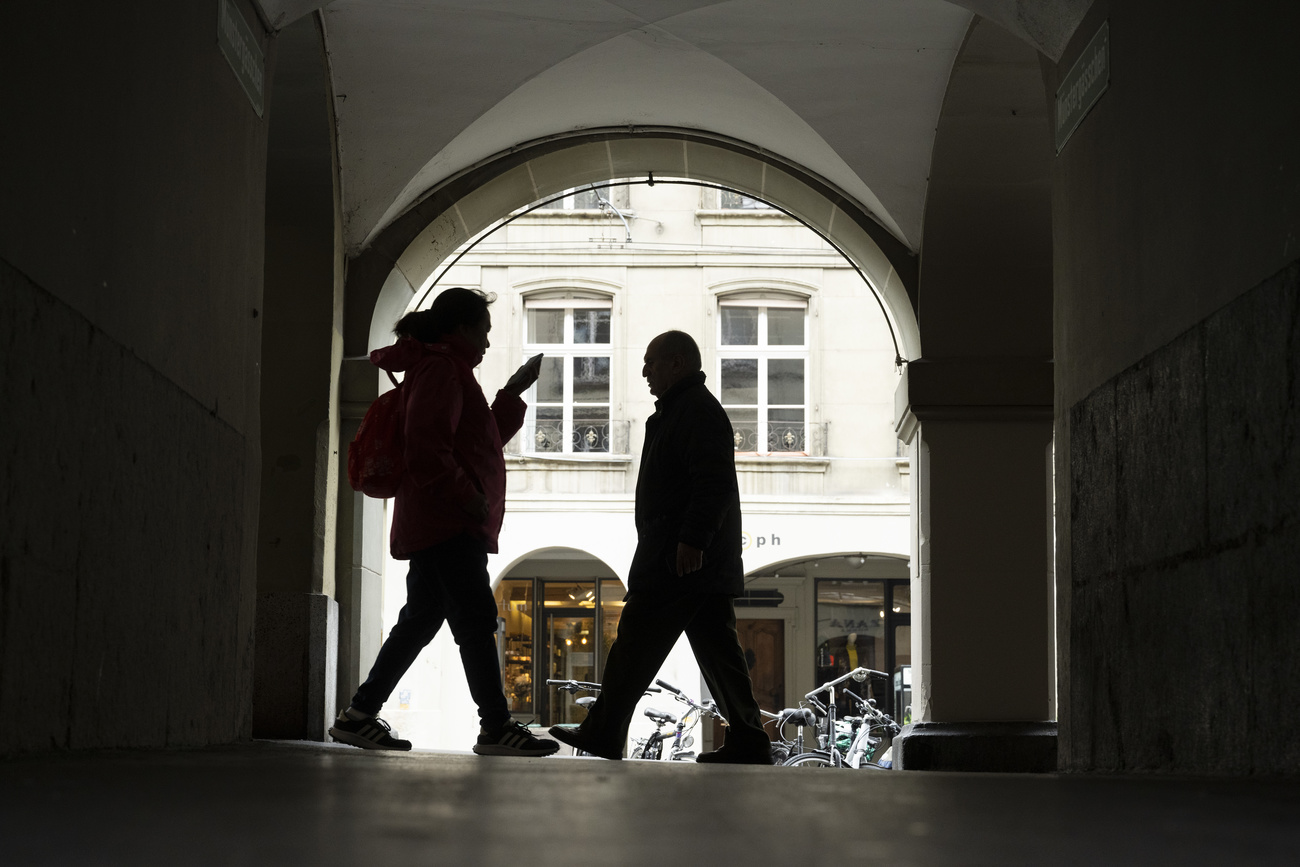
<point>453,445</point>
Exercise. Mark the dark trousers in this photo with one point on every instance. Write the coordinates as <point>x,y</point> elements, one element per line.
<point>647,631</point>
<point>446,582</point>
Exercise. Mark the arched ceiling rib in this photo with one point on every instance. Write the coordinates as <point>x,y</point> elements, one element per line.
<point>1045,24</point>
<point>638,79</point>
<point>849,89</point>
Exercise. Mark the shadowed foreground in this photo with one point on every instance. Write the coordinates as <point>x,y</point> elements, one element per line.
<point>315,804</point>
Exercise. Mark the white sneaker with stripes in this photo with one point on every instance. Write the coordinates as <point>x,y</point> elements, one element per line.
<point>513,739</point>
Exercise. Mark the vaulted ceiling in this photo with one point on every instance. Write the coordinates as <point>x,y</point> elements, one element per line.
<point>850,90</point>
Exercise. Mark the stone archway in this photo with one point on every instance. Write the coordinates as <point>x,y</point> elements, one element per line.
<point>382,279</point>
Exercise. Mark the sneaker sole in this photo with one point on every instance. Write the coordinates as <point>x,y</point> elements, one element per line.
<point>498,750</point>
<point>358,741</point>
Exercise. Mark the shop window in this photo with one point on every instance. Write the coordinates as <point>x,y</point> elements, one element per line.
<point>763,374</point>
<point>570,631</point>
<point>863,624</point>
<point>515,628</point>
<point>568,407</point>
<point>611,609</point>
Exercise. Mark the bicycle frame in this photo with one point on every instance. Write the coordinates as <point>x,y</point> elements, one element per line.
<point>574,686</point>
<point>830,746</point>
<point>687,722</point>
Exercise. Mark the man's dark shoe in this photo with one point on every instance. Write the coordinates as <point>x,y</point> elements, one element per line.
<point>512,739</point>
<point>575,739</point>
<point>370,733</point>
<point>728,755</point>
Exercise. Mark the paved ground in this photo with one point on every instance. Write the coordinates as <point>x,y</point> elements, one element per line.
<point>280,803</point>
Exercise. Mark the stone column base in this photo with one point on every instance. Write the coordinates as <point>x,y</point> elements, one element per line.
<point>295,666</point>
<point>1008,747</point>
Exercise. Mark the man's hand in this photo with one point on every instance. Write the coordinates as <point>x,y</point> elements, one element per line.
<point>525,376</point>
<point>476,507</point>
<point>688,559</point>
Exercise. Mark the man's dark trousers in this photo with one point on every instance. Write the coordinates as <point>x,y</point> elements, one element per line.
<point>647,631</point>
<point>447,582</point>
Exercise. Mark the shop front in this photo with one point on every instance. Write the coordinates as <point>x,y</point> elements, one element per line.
<point>553,628</point>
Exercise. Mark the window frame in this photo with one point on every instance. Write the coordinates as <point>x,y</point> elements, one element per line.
<point>568,352</point>
<point>765,352</point>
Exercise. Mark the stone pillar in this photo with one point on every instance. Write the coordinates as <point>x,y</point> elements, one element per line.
<point>980,432</point>
<point>297,618</point>
<point>294,681</point>
<point>361,541</point>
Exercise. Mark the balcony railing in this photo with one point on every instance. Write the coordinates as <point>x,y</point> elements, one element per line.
<point>781,438</point>
<point>582,437</point>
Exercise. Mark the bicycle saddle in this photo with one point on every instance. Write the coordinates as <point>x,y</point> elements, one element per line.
<point>585,701</point>
<point>798,716</point>
<point>659,716</point>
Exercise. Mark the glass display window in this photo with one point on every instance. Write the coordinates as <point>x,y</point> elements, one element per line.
<point>554,629</point>
<point>867,624</point>
<point>611,609</point>
<point>850,627</point>
<point>515,629</point>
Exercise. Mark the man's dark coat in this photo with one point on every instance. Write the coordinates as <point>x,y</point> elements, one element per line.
<point>686,492</point>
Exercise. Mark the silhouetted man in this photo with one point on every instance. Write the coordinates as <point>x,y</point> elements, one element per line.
<point>686,570</point>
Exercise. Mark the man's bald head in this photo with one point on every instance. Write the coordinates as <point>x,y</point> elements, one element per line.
<point>669,358</point>
<point>680,343</point>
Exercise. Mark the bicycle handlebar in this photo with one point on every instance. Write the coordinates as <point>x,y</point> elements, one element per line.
<point>858,674</point>
<point>668,686</point>
<point>572,686</point>
<point>864,703</point>
<point>709,707</point>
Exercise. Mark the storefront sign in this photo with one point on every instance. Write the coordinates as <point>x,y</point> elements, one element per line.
<point>242,52</point>
<point>1083,85</point>
<point>748,541</point>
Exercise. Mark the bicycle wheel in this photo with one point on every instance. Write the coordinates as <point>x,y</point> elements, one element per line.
<point>809,760</point>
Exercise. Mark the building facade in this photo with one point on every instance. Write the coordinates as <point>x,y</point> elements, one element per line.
<point>796,348</point>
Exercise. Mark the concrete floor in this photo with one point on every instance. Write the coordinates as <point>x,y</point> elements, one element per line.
<point>281,803</point>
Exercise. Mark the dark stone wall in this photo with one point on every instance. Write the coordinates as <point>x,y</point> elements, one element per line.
<point>1175,217</point>
<point>121,547</point>
<point>1185,516</point>
<point>131,244</point>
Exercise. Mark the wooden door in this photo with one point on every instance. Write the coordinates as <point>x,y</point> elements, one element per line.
<point>763,641</point>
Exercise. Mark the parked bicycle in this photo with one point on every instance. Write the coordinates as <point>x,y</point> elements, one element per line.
<point>783,745</point>
<point>572,687</point>
<point>851,741</point>
<point>652,748</point>
<point>682,735</point>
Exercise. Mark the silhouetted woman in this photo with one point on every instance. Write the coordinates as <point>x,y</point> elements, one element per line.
<point>446,517</point>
